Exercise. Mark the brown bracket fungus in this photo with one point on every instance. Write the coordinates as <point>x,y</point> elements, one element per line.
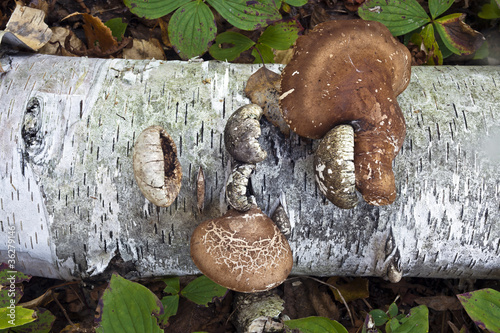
<point>156,168</point>
<point>241,133</point>
<point>350,72</point>
<point>244,252</point>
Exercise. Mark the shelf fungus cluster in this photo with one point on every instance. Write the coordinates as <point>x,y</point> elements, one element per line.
<point>349,73</point>
<point>242,250</point>
<point>157,170</point>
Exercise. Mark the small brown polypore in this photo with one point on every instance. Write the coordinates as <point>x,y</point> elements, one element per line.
<point>244,252</point>
<point>350,72</point>
<point>157,170</point>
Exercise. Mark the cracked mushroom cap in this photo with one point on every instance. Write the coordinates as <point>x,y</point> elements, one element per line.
<point>350,72</point>
<point>244,252</point>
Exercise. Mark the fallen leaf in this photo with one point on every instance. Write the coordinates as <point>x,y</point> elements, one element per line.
<point>263,88</point>
<point>55,46</point>
<point>350,288</point>
<point>440,303</point>
<point>144,49</point>
<point>98,34</point>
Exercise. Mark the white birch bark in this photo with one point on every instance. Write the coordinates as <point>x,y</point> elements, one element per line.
<point>69,190</point>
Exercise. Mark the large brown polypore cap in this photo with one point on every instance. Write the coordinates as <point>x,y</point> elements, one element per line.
<point>244,252</point>
<point>350,72</point>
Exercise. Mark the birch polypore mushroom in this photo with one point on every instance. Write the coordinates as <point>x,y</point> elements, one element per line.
<point>244,252</point>
<point>350,72</point>
<point>157,170</point>
<point>241,133</point>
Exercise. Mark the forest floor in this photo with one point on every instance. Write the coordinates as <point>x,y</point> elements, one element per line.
<point>74,305</point>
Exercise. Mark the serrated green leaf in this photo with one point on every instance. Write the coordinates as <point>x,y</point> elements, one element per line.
<point>43,323</point>
<point>202,291</point>
<point>239,44</point>
<point>153,9</point>
<point>117,27</point>
<point>170,307</point>
<point>281,35</point>
<point>263,53</point>
<point>457,35</point>
<point>399,16</point>
<point>15,316</point>
<point>296,3</point>
<point>490,11</point>
<point>438,7</point>
<point>379,317</point>
<point>191,29</point>
<point>173,285</point>
<point>246,14</point>
<point>483,306</point>
<point>393,310</point>
<point>128,307</point>
<point>315,325</point>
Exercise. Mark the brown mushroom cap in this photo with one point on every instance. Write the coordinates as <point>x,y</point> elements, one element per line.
<point>244,252</point>
<point>350,72</point>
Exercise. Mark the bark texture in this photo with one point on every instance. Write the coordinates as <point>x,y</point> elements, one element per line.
<point>67,185</point>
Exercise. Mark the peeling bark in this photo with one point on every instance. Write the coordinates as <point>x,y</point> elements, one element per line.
<point>67,185</point>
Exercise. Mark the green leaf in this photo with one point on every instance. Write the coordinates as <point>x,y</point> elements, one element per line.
<point>296,3</point>
<point>8,294</point>
<point>483,306</point>
<point>457,35</point>
<point>153,9</point>
<point>281,35</point>
<point>264,53</point>
<point>379,317</point>
<point>246,14</point>
<point>117,27</point>
<point>393,310</point>
<point>202,291</point>
<point>399,16</point>
<point>191,29</point>
<point>429,40</point>
<point>438,7</point>
<point>173,285</point>
<point>9,276</point>
<point>392,325</point>
<point>43,323</point>
<point>128,307</point>
<point>170,306</point>
<point>239,44</point>
<point>417,321</point>
<point>315,325</point>
<point>15,316</point>
<point>490,11</point>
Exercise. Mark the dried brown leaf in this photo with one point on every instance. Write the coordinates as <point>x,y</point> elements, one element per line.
<point>97,34</point>
<point>440,303</point>
<point>56,44</point>
<point>144,49</point>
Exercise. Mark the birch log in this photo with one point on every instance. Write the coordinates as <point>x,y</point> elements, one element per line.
<point>68,126</point>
